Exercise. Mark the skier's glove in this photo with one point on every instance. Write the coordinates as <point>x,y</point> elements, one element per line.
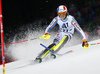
<point>46,36</point>
<point>85,43</point>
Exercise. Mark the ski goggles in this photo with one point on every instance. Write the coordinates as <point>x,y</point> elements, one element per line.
<point>62,13</point>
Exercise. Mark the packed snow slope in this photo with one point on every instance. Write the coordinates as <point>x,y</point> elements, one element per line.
<point>80,61</point>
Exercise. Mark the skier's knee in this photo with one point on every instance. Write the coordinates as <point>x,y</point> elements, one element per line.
<point>50,46</point>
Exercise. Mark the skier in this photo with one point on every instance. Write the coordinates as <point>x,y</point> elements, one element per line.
<point>67,24</point>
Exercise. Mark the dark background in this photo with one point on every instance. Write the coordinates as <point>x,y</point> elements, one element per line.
<point>17,13</point>
<point>24,11</point>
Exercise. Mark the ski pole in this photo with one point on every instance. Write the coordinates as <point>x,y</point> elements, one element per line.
<point>95,43</point>
<point>21,41</point>
<point>91,44</point>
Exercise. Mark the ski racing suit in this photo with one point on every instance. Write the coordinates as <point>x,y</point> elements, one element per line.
<point>65,33</point>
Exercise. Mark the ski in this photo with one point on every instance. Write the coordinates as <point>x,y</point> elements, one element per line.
<point>55,52</point>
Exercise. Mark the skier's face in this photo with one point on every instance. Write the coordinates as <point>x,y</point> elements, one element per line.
<point>62,15</point>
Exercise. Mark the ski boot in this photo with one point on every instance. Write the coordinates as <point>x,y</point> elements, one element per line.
<point>53,56</point>
<point>39,60</point>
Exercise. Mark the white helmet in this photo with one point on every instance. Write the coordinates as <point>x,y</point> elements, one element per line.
<point>61,9</point>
